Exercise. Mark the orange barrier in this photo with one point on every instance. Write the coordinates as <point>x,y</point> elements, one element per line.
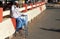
<point>25,5</point>
<point>42,6</point>
<point>1,14</point>
<point>14,22</point>
<point>31,6</point>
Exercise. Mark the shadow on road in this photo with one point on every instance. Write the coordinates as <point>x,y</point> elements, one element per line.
<point>57,19</point>
<point>54,30</point>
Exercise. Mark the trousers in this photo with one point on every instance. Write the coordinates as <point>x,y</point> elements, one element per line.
<point>21,21</point>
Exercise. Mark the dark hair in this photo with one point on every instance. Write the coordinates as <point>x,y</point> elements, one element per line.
<point>14,3</point>
<point>17,5</point>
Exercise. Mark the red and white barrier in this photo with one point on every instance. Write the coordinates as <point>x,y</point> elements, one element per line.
<point>7,26</point>
<point>43,6</point>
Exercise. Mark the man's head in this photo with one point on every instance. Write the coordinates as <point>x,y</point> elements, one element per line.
<point>16,3</point>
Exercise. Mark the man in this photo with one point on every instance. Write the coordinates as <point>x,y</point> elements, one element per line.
<point>21,19</point>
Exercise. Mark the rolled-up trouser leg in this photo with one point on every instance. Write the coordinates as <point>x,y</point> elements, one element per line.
<point>26,29</point>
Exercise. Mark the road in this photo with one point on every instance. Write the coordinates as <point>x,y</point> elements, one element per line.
<point>46,25</point>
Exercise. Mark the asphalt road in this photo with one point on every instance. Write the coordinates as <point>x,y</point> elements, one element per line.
<point>45,26</point>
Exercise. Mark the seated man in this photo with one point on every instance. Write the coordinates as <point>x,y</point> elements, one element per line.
<point>21,19</point>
